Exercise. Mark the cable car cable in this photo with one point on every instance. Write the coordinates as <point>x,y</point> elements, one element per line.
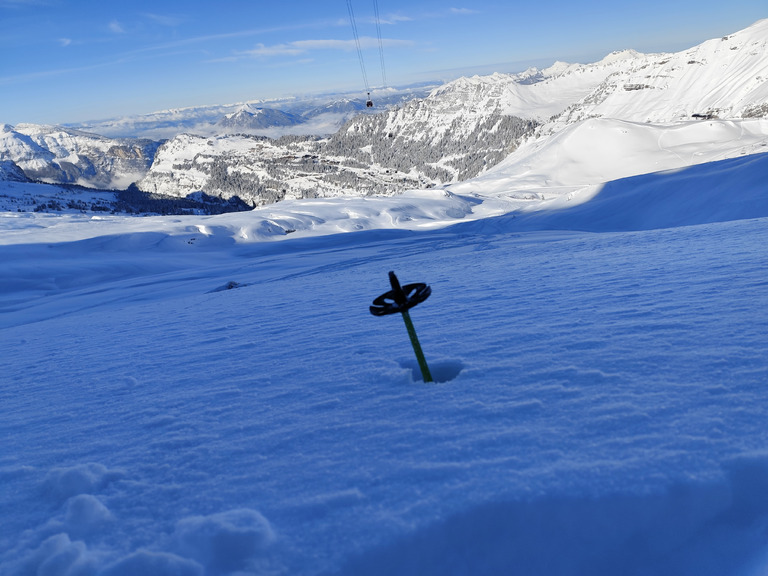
<point>357,45</point>
<point>381,42</point>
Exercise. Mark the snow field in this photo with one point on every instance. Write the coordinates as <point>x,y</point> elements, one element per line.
<point>602,411</point>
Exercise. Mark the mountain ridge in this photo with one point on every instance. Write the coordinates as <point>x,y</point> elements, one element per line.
<point>63,155</point>
<point>460,130</point>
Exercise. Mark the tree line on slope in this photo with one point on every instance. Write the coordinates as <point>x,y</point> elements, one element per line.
<point>364,158</point>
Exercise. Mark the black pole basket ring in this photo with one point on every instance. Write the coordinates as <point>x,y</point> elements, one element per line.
<point>400,300</point>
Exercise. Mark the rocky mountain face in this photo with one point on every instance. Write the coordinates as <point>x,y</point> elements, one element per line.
<point>435,140</point>
<point>10,172</point>
<point>255,168</point>
<point>425,143</point>
<point>61,155</point>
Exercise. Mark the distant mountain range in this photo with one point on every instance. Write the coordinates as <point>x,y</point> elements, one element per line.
<point>317,115</point>
<point>409,140</point>
<point>249,118</point>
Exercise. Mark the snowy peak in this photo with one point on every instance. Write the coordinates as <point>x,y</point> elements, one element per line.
<point>756,32</point>
<point>534,94</point>
<point>725,77</point>
<point>248,118</point>
<point>620,56</point>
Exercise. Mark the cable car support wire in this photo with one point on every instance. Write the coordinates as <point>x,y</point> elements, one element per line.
<point>381,43</point>
<point>358,46</point>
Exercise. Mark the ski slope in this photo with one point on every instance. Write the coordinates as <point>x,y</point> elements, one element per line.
<point>209,394</point>
<point>599,150</point>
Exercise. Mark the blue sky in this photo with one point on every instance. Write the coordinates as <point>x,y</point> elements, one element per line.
<point>73,60</point>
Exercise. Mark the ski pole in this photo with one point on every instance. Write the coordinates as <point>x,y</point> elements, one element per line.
<point>401,299</point>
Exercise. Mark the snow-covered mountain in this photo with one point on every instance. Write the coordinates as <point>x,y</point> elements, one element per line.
<point>455,133</point>
<point>468,126</point>
<point>62,155</point>
<point>724,77</point>
<point>318,114</point>
<point>248,118</point>
<point>459,131</point>
<point>534,94</point>
<point>86,156</point>
<point>10,172</point>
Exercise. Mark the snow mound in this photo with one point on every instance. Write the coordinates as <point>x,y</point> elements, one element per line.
<point>732,189</point>
<point>62,483</point>
<point>225,541</point>
<point>84,514</point>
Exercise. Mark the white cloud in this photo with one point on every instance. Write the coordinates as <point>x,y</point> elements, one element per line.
<point>277,50</point>
<point>164,20</point>
<point>116,27</point>
<point>393,19</point>
<point>463,11</point>
<point>347,45</point>
<point>304,46</point>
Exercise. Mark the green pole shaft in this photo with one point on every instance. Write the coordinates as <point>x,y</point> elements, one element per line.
<point>417,347</point>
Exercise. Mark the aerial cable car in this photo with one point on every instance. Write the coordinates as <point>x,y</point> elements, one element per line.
<point>353,22</point>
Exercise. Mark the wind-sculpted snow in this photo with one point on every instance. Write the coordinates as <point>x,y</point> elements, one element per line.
<point>716,192</point>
